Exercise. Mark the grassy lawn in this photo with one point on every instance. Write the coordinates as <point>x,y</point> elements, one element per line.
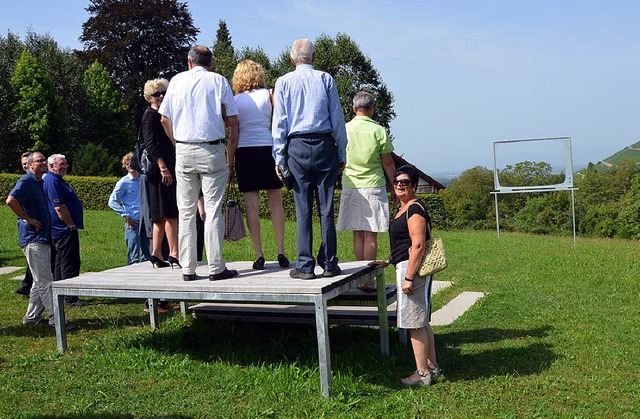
<point>557,335</point>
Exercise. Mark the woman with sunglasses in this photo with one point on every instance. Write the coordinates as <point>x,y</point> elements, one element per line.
<point>161,184</point>
<point>408,234</point>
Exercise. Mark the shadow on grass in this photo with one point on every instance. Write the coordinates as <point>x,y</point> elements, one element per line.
<point>525,354</point>
<point>355,351</point>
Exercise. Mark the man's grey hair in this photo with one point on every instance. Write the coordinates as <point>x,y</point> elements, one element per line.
<point>200,55</point>
<point>363,100</point>
<point>52,158</point>
<point>302,51</point>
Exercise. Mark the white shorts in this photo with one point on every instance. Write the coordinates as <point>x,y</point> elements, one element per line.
<point>414,311</point>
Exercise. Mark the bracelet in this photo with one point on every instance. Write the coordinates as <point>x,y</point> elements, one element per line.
<point>407,279</point>
<point>164,170</point>
<point>388,261</point>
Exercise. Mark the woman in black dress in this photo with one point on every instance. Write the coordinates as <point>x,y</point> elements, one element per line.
<point>161,179</point>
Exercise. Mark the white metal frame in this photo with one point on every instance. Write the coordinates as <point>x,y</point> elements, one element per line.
<point>567,185</point>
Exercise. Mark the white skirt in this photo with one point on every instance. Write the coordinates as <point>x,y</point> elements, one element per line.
<point>414,311</point>
<point>364,209</point>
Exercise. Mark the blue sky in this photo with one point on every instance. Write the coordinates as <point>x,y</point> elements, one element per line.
<point>463,73</point>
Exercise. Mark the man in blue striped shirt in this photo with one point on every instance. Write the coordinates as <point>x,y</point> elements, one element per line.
<point>309,136</point>
<point>125,200</point>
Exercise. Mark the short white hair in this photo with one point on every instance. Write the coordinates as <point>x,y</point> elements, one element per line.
<point>302,51</point>
<point>52,158</point>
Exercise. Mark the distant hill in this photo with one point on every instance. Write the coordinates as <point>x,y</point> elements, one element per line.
<point>628,153</point>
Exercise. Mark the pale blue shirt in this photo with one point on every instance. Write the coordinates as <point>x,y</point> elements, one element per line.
<point>125,197</point>
<point>306,101</point>
<point>194,102</point>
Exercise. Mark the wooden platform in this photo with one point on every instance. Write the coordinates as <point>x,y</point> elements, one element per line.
<point>272,285</point>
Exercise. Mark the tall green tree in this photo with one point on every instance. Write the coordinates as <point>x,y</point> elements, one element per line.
<point>10,49</point>
<point>66,71</point>
<point>224,56</point>
<point>37,115</point>
<point>108,122</point>
<point>137,40</point>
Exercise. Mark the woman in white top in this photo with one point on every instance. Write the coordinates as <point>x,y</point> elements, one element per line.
<point>254,163</point>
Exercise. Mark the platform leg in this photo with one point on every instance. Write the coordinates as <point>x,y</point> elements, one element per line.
<point>60,320</point>
<point>153,313</point>
<point>324,354</point>
<point>382,312</point>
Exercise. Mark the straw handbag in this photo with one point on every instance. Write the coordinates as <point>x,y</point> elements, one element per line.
<point>434,259</point>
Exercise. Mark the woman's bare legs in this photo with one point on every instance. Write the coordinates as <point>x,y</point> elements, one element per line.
<point>158,234</point>
<point>252,202</point>
<point>277,216</point>
<point>171,229</point>
<point>365,244</point>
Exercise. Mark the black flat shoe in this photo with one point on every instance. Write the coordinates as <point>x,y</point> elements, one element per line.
<point>259,263</point>
<point>282,260</point>
<point>158,263</point>
<point>188,277</point>
<point>173,261</point>
<point>226,274</point>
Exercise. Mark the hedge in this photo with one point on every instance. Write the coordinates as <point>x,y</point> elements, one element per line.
<point>94,194</point>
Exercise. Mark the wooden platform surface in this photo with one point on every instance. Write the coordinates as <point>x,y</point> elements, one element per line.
<point>272,280</point>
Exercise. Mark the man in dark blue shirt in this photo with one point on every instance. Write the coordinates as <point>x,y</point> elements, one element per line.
<point>27,282</point>
<point>66,214</point>
<point>29,202</point>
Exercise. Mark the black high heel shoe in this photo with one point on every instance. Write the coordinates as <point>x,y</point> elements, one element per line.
<point>259,263</point>
<point>158,263</point>
<point>173,261</point>
<point>282,260</point>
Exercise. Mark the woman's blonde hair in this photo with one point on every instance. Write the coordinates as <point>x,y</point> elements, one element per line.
<point>248,75</point>
<point>155,85</point>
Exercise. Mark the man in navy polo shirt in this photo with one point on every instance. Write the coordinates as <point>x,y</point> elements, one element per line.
<point>29,202</point>
<point>66,214</point>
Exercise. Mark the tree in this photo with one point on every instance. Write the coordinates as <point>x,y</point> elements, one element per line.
<point>352,70</point>
<point>137,40</point>
<point>37,114</point>
<point>107,116</point>
<point>224,56</point>
<point>629,219</point>
<point>468,199</point>
<point>65,71</point>
<point>10,49</point>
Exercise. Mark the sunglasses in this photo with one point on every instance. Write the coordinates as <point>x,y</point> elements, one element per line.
<point>403,182</point>
<point>158,94</point>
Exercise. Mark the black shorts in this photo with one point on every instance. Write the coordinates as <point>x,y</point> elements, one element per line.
<point>256,169</point>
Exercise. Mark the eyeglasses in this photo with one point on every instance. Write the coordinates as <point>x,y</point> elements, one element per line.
<point>403,182</point>
<point>38,161</point>
<point>158,94</point>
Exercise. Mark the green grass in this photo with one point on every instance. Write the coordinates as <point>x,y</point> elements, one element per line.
<point>555,336</point>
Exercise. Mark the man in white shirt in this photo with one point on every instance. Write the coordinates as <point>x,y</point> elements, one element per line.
<point>192,116</point>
